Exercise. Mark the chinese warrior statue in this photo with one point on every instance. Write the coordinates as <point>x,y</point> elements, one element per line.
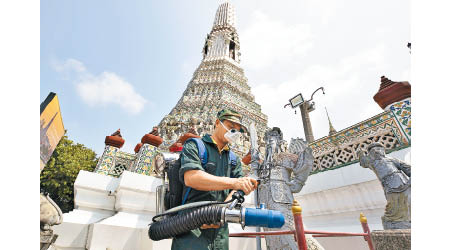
<point>284,172</point>
<point>395,177</point>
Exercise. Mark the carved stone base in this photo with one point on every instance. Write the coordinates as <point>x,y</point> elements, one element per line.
<point>399,239</point>
<point>47,238</point>
<point>392,225</point>
<point>312,243</point>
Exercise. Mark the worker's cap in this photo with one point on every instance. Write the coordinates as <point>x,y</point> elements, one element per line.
<point>233,116</point>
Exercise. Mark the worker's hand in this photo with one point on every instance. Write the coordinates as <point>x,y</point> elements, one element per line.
<point>245,184</point>
<point>206,226</point>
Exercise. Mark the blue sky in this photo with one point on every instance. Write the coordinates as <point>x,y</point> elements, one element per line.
<point>125,64</point>
<point>145,43</point>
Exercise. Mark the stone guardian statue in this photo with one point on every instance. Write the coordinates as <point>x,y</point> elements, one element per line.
<point>395,177</point>
<point>50,214</point>
<point>283,173</point>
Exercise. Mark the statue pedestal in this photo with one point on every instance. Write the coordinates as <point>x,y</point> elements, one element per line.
<point>47,238</point>
<point>399,239</point>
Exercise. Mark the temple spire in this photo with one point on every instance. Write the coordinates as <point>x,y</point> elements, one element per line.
<point>225,16</point>
<point>332,130</point>
<point>222,43</point>
<point>219,82</point>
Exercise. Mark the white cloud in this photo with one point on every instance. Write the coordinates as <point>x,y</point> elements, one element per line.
<point>109,88</point>
<point>102,89</point>
<point>67,66</point>
<point>265,41</point>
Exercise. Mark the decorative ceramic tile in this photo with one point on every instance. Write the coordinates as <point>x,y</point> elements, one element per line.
<point>146,160</point>
<point>402,112</point>
<point>106,162</point>
<point>340,149</point>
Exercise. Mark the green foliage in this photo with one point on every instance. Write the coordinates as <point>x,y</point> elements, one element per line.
<point>60,172</point>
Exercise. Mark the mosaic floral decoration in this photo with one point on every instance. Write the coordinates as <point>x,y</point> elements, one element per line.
<point>106,162</point>
<point>146,160</point>
<point>402,111</point>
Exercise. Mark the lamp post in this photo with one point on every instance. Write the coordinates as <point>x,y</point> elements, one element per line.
<point>305,108</point>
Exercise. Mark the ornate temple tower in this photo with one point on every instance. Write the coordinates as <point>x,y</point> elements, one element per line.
<point>219,82</point>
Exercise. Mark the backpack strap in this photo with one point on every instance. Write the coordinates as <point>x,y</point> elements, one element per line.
<point>232,158</point>
<point>203,155</point>
<point>232,162</point>
<point>186,195</point>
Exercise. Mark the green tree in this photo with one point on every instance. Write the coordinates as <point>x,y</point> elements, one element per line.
<point>60,172</point>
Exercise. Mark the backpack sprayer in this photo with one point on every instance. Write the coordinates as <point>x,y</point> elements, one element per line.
<point>182,219</point>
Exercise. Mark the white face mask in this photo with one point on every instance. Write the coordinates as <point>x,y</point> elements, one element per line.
<point>232,135</point>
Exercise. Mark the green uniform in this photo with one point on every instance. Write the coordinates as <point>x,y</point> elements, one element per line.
<point>217,165</point>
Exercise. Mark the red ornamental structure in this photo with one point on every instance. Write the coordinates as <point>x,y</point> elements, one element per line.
<point>115,139</point>
<point>138,146</point>
<point>152,138</point>
<point>178,145</point>
<point>391,92</point>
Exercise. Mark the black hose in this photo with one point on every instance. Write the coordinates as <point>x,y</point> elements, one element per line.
<point>184,222</point>
<point>175,212</point>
